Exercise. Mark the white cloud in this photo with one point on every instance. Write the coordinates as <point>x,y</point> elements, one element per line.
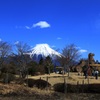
<point>83,51</point>
<point>16,42</point>
<point>27,27</point>
<point>59,38</point>
<point>41,24</point>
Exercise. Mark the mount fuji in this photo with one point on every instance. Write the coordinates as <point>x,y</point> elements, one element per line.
<point>43,50</point>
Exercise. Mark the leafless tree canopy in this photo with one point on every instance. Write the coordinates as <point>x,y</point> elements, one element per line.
<point>5,49</point>
<point>71,53</point>
<point>22,48</point>
<point>70,56</point>
<point>22,58</point>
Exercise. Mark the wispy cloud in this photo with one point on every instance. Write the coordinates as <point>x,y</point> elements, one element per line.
<point>83,51</point>
<point>59,38</point>
<point>27,27</point>
<point>16,42</point>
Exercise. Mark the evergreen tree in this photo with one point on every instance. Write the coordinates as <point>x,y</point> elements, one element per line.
<point>48,65</point>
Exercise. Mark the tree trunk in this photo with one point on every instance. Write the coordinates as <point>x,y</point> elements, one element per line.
<point>48,70</point>
<point>68,71</point>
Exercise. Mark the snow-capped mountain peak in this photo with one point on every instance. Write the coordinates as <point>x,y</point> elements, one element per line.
<point>44,50</point>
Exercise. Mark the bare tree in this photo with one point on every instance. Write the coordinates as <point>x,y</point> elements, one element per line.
<point>70,55</point>
<point>22,58</point>
<point>5,51</point>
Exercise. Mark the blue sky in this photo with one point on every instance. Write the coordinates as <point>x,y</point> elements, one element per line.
<point>55,22</point>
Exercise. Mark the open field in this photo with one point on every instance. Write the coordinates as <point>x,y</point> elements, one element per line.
<point>72,79</point>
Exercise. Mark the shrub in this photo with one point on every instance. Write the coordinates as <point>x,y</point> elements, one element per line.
<point>91,88</point>
<point>42,84</point>
<point>9,69</point>
<point>59,87</point>
<point>7,77</point>
<point>30,82</point>
<point>94,88</point>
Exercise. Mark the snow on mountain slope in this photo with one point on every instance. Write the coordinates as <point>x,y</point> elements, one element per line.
<point>44,50</point>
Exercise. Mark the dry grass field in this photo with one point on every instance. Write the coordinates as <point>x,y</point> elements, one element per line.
<point>20,92</point>
<point>72,79</point>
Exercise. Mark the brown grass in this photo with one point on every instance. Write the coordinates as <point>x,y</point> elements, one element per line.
<point>72,79</point>
<point>20,92</point>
